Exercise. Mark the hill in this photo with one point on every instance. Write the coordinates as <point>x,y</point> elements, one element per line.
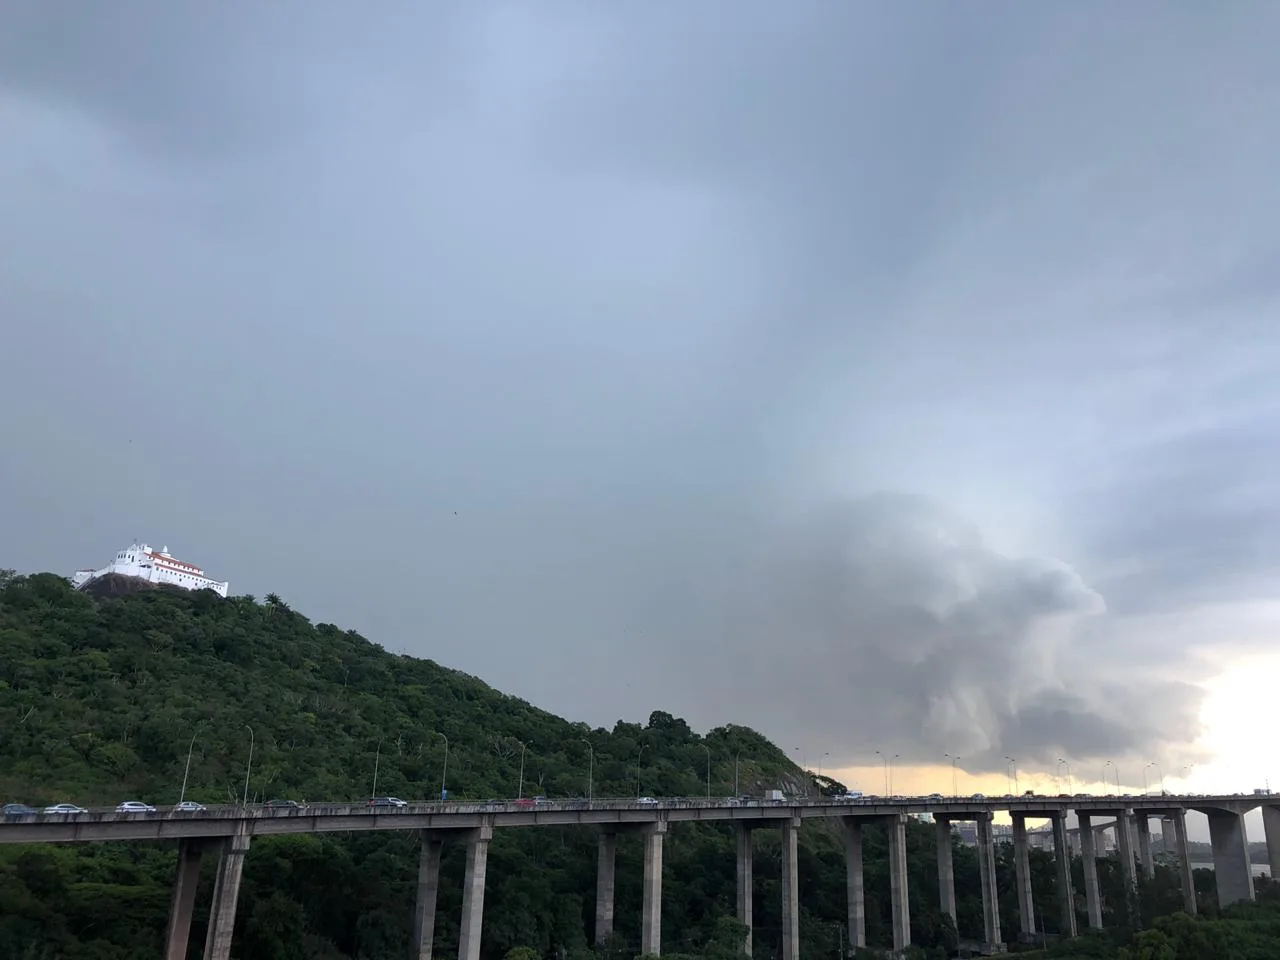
<point>103,697</point>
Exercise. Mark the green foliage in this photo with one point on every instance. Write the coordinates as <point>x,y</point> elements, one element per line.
<point>101,700</point>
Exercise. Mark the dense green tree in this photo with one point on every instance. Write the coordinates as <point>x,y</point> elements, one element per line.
<point>102,696</point>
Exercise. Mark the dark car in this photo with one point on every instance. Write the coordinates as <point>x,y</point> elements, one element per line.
<point>283,805</point>
<point>18,810</point>
<point>387,802</point>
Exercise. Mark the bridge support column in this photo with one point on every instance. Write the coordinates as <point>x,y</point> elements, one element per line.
<point>1022,879</point>
<point>1179,818</point>
<point>857,907</point>
<point>472,925</point>
<point>987,881</point>
<point>184,898</point>
<point>651,908</point>
<point>424,912</point>
<point>1230,856</point>
<point>1168,838</point>
<point>746,880</point>
<point>1089,856</point>
<point>1124,847</point>
<point>606,863</point>
<point>899,907</point>
<point>946,869</point>
<point>1271,828</point>
<point>1062,859</point>
<point>791,889</point>
<point>1142,825</point>
<point>226,891</point>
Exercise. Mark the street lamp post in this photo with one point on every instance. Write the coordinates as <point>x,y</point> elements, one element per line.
<point>955,788</point>
<point>1115,770</point>
<point>186,770</point>
<point>1145,786</point>
<point>444,768</point>
<point>591,768</point>
<point>639,754</point>
<point>248,768</point>
<point>520,788</point>
<point>1013,764</point>
<point>885,761</point>
<point>1160,770</point>
<point>377,759</point>
<point>708,749</point>
<point>737,760</point>
<point>1061,764</point>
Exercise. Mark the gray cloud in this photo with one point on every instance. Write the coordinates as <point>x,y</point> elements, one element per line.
<point>517,341</point>
<point>887,624</point>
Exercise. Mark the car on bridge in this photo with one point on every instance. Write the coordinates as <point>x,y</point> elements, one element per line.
<point>135,806</point>
<point>189,806</point>
<point>18,810</point>
<point>65,809</point>
<point>283,805</point>
<point>387,802</point>
<point>646,801</point>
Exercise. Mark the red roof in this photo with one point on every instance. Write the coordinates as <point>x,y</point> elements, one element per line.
<point>177,563</point>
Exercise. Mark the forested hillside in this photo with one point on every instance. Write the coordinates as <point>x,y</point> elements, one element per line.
<point>101,699</point>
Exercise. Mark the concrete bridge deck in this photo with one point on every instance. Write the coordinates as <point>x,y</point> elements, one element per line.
<point>227,831</point>
<point>259,820</point>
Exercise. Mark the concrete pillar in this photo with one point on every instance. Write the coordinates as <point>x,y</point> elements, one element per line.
<point>184,898</point>
<point>946,869</point>
<point>1142,827</point>
<point>606,861</point>
<point>1230,856</point>
<point>1089,856</point>
<point>1124,846</point>
<point>1168,838</point>
<point>1022,879</point>
<point>651,908</point>
<point>746,880</point>
<point>987,880</point>
<point>791,889</point>
<point>1271,828</point>
<point>226,891</point>
<point>424,912</point>
<point>857,907</point>
<point>900,908</point>
<point>1062,860</point>
<point>1100,840</point>
<point>472,925</point>
<point>1184,862</point>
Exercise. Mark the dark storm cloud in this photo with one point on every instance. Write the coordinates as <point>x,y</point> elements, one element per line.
<point>887,624</point>
<point>511,336</point>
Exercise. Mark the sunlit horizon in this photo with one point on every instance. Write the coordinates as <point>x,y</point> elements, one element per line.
<point>1239,745</point>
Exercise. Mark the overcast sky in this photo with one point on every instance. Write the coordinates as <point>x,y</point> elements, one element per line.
<point>882,375</point>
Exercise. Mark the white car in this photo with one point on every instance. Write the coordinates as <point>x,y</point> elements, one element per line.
<point>135,806</point>
<point>65,808</point>
<point>646,801</point>
<point>189,806</point>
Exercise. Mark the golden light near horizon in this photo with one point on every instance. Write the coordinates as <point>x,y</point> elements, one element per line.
<point>1240,743</point>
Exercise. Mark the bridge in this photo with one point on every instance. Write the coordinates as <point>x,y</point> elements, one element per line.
<point>227,831</point>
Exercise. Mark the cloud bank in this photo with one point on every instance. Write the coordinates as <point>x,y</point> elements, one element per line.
<point>885,623</point>
<point>571,349</point>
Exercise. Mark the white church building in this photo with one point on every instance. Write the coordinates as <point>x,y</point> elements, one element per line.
<point>158,566</point>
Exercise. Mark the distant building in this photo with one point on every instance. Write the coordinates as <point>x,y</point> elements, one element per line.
<point>157,566</point>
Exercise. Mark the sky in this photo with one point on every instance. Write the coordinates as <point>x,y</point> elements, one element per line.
<point>887,377</point>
